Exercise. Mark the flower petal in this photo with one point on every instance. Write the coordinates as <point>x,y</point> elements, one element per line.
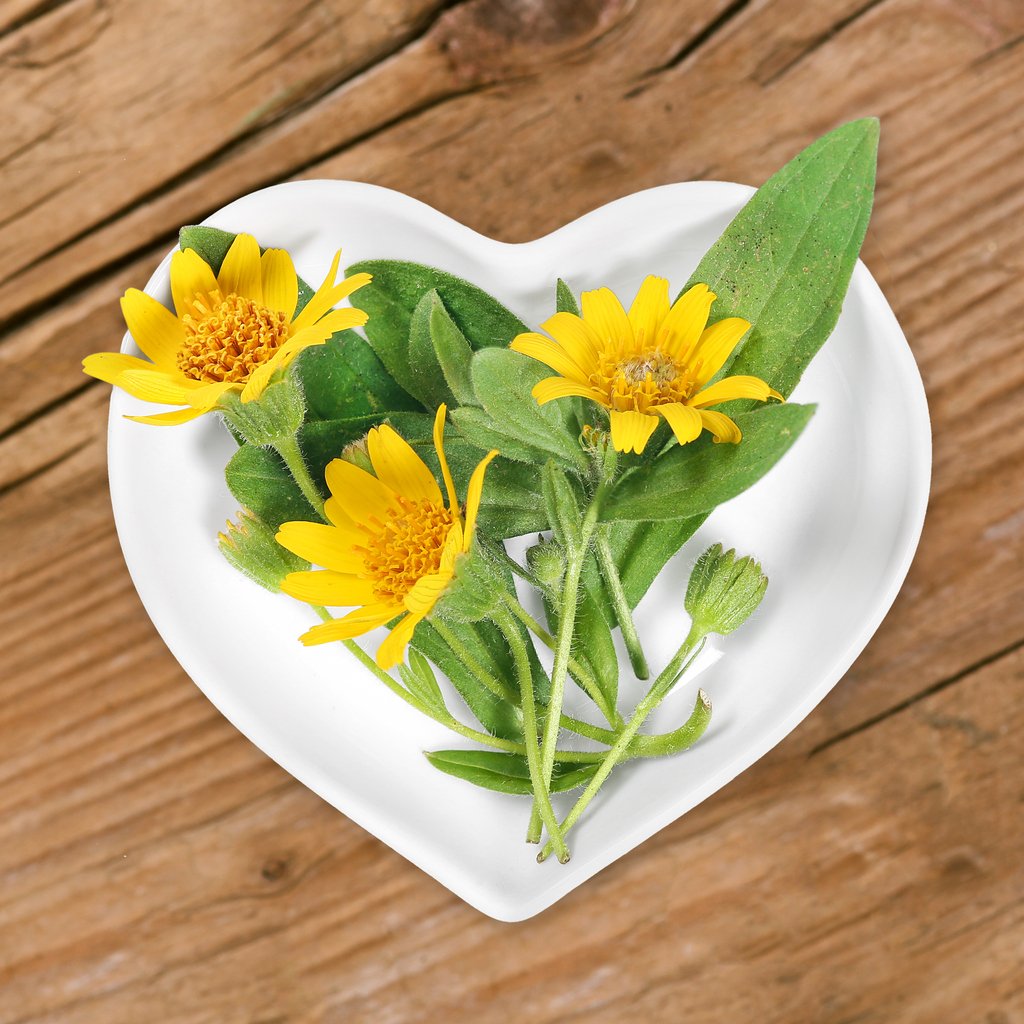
<point>109,366</point>
<point>169,419</point>
<point>326,587</point>
<point>685,422</point>
<point>721,426</point>
<point>426,592</point>
<point>536,346</point>
<point>192,278</point>
<point>358,494</point>
<point>715,346</point>
<point>280,284</point>
<point>473,494</point>
<point>357,622</point>
<point>577,337</point>
<point>649,309</point>
<point>449,482</point>
<point>329,546</point>
<point>240,273</point>
<point>155,329</point>
<point>685,323</point>
<point>392,650</point>
<point>729,388</point>
<point>329,294</point>
<point>604,314</point>
<point>632,430</point>
<point>551,388</point>
<point>155,386</point>
<point>398,466</point>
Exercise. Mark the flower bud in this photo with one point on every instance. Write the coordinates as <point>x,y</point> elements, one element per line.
<point>724,590</point>
<point>546,560</point>
<point>475,590</point>
<point>249,545</point>
<point>358,454</point>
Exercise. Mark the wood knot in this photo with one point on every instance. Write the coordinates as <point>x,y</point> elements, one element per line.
<point>275,868</point>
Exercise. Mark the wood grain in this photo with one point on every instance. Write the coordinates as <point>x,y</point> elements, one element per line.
<point>155,866</point>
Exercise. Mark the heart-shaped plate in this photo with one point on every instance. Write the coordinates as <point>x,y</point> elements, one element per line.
<point>835,525</point>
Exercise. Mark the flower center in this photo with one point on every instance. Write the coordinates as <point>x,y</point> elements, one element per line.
<point>642,381</point>
<point>230,340</point>
<point>406,548</point>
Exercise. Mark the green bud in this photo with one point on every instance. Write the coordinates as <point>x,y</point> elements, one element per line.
<point>724,591</point>
<point>275,416</point>
<point>358,454</point>
<point>249,545</point>
<point>475,591</point>
<point>546,560</point>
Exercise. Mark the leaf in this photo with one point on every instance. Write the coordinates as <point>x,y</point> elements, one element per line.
<point>511,504</point>
<point>565,301</point>
<point>453,352</point>
<point>425,379</point>
<point>324,440</point>
<point>784,263</point>
<point>261,483</point>
<point>506,773</point>
<point>688,480</point>
<point>503,381</point>
<point>560,505</point>
<point>398,286</point>
<point>421,682</point>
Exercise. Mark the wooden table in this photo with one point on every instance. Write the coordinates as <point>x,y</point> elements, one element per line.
<point>157,867</point>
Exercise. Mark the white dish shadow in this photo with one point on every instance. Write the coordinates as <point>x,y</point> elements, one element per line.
<point>835,525</point>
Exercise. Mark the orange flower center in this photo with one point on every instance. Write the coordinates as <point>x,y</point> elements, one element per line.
<point>639,382</point>
<point>228,341</point>
<point>406,548</point>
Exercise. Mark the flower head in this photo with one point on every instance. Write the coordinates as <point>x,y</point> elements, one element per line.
<point>655,361</point>
<point>229,332</point>
<point>391,546</point>
<point>724,590</point>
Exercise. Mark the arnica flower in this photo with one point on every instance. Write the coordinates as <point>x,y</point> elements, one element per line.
<point>228,333</point>
<point>391,545</point>
<point>654,361</point>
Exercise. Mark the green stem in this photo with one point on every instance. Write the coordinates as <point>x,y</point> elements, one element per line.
<point>610,572</point>
<point>578,671</point>
<point>288,449</point>
<point>680,661</point>
<point>504,621</point>
<point>462,652</point>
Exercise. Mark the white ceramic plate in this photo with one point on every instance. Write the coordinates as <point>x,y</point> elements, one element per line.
<point>835,525</point>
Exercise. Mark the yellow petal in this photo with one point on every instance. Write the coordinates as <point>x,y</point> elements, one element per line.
<point>398,466</point>
<point>551,388</point>
<point>280,285</point>
<point>426,592</point>
<point>446,473</point>
<point>191,278</point>
<point>329,294</point>
<point>108,366</point>
<point>536,346</point>
<point>357,622</point>
<point>155,386</point>
<point>576,337</point>
<point>604,314</point>
<point>649,309</point>
<point>715,346</point>
<point>359,495</point>
<point>473,495</point>
<point>685,323</point>
<point>455,544</point>
<point>323,586</point>
<point>392,650</point>
<point>169,419</point>
<point>684,421</point>
<point>260,377</point>
<point>240,272</point>
<point>723,428</point>
<point>632,430</point>
<point>729,388</point>
<point>329,546</point>
<point>156,330</point>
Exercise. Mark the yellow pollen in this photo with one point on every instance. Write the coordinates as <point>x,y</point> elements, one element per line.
<point>230,340</point>
<point>406,548</point>
<point>642,381</point>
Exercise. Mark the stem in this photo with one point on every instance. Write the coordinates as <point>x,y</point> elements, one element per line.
<point>288,449</point>
<point>680,661</point>
<point>542,799</point>
<point>451,638</point>
<point>623,614</point>
<point>579,672</point>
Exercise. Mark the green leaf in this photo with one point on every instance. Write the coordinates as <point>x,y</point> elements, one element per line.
<point>506,773</point>
<point>688,480</point>
<point>511,504</point>
<point>396,289</point>
<point>421,682</point>
<point>565,301</point>
<point>503,381</point>
<point>784,263</point>
<point>261,483</point>
<point>425,379</point>
<point>560,505</point>
<point>324,440</point>
<point>453,352</point>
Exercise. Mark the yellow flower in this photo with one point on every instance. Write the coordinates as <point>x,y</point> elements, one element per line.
<point>654,361</point>
<point>231,332</point>
<point>391,545</point>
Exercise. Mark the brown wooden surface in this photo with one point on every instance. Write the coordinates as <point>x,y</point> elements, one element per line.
<point>154,866</point>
